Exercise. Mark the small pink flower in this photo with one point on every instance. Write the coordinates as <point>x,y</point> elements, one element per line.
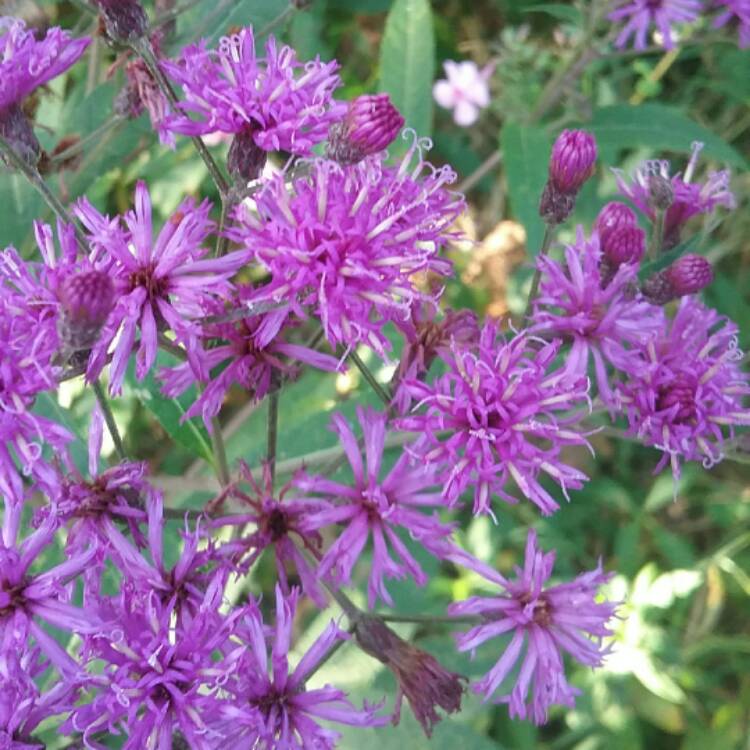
<point>465,90</point>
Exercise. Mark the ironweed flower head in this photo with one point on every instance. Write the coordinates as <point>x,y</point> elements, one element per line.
<point>545,622</point>
<point>495,416</point>
<point>685,389</point>
<point>162,282</point>
<point>278,101</point>
<point>345,244</point>
<point>375,507</point>
<point>689,198</point>
<point>640,16</point>
<point>687,275</point>
<point>603,322</point>
<point>370,125</point>
<point>270,706</point>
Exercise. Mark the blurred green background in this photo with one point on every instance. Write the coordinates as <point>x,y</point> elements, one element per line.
<point>680,674</point>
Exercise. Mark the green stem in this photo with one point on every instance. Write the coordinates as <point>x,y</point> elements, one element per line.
<point>431,619</point>
<point>143,49</point>
<point>33,176</point>
<point>220,453</point>
<point>549,231</point>
<point>272,430</point>
<point>657,235</point>
<point>109,418</point>
<point>370,378</point>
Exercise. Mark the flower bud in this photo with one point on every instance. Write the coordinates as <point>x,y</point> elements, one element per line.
<point>626,245</point>
<point>86,300</point>
<point>421,678</point>
<point>573,160</point>
<point>687,275</point>
<point>660,192</point>
<point>125,20</point>
<point>246,158</point>
<point>369,126</point>
<point>17,131</point>
<point>612,217</point>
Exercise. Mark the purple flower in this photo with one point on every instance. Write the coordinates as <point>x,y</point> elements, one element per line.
<point>25,596</point>
<point>547,622</point>
<point>157,678</point>
<point>27,62</point>
<point>731,11</point>
<point>375,507</point>
<point>270,706</point>
<point>686,387</point>
<point>687,275</point>
<point>162,283</point>
<point>499,414</point>
<point>688,198</point>
<point>346,242</point>
<point>371,124</point>
<point>249,352</point>
<point>602,323</point>
<point>276,522</point>
<point>640,15</point>
<point>277,101</point>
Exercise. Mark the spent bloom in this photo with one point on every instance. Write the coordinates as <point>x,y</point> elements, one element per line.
<point>161,282</point>
<point>545,622</point>
<point>270,706</point>
<point>345,244</point>
<point>640,15</point>
<point>734,12</point>
<point>491,418</point>
<point>688,198</point>
<point>377,508</point>
<point>686,389</point>
<point>273,101</point>
<point>602,322</point>
<point>465,90</point>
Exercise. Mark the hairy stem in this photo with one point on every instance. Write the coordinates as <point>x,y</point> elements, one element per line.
<point>109,418</point>
<point>549,231</point>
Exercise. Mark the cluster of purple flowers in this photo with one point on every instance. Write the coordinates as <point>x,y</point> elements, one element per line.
<point>348,247</point>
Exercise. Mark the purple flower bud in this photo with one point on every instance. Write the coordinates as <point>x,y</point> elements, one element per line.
<point>612,217</point>
<point>125,20</point>
<point>17,131</point>
<point>421,678</point>
<point>573,160</point>
<point>86,299</point>
<point>626,245</point>
<point>687,275</point>
<point>246,159</point>
<point>370,126</point>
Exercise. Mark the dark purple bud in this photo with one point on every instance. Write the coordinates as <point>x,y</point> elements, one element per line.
<point>421,678</point>
<point>16,129</point>
<point>246,158</point>
<point>626,245</point>
<point>86,300</point>
<point>660,192</point>
<point>573,160</point>
<point>370,125</point>
<point>124,20</point>
<point>612,217</point>
<point>687,275</point>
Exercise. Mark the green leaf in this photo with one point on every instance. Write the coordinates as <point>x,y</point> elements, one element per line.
<point>559,11</point>
<point>526,151</point>
<point>407,62</point>
<point>190,434</point>
<point>657,126</point>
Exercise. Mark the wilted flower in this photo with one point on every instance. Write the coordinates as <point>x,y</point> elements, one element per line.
<point>547,621</point>
<point>345,243</point>
<point>499,413</point>
<point>687,275</point>
<point>641,15</point>
<point>686,387</point>
<point>465,90</point>
<point>603,321</point>
<point>162,283</point>
<point>376,508</point>
<point>688,198</point>
<point>277,710</point>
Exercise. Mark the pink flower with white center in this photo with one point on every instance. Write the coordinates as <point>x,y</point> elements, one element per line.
<point>602,323</point>
<point>686,391</point>
<point>546,622</point>
<point>499,413</point>
<point>377,508</point>
<point>465,90</point>
<point>641,15</point>
<point>163,282</point>
<point>270,707</point>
